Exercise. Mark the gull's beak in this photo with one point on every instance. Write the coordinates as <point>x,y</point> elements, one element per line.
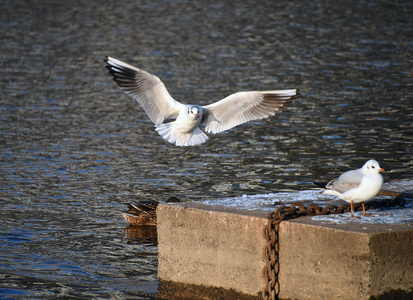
<point>197,115</point>
<point>381,170</point>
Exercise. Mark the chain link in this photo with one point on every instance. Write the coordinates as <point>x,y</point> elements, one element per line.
<point>271,250</point>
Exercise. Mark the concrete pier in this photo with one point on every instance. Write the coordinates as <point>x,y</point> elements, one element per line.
<point>208,251</point>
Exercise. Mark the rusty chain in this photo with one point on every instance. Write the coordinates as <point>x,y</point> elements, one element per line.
<point>271,268</point>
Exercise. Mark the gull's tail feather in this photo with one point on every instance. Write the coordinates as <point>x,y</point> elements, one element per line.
<point>165,131</point>
<point>168,132</point>
<point>198,137</point>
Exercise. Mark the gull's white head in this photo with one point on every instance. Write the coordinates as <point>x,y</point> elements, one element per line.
<point>372,167</point>
<point>194,112</point>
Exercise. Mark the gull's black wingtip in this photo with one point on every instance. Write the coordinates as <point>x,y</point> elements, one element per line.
<point>320,184</point>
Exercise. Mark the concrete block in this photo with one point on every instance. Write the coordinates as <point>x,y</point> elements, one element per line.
<point>211,246</point>
<point>220,247</point>
<point>344,262</point>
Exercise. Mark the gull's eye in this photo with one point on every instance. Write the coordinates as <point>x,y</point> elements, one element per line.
<point>194,110</point>
<point>372,167</point>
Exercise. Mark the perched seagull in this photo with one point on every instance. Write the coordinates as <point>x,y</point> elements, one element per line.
<point>222,115</point>
<point>357,185</point>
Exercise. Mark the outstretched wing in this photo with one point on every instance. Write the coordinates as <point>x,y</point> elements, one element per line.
<point>145,88</point>
<point>242,107</point>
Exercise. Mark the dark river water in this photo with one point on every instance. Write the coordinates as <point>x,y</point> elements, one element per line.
<point>75,149</point>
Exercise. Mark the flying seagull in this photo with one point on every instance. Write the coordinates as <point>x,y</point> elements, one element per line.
<point>222,115</point>
<point>357,185</point>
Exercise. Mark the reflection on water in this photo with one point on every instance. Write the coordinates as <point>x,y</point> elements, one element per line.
<point>75,150</point>
<point>141,234</point>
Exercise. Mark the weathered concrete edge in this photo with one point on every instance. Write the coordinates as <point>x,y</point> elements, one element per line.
<point>365,260</point>
<point>353,227</point>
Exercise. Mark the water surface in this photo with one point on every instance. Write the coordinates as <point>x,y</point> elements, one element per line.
<point>75,149</point>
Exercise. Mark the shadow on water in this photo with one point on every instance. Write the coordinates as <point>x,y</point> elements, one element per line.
<point>75,150</point>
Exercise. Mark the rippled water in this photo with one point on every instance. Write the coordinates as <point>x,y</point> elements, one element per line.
<point>75,149</point>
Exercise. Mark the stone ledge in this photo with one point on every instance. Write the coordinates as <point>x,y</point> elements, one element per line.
<point>222,247</point>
